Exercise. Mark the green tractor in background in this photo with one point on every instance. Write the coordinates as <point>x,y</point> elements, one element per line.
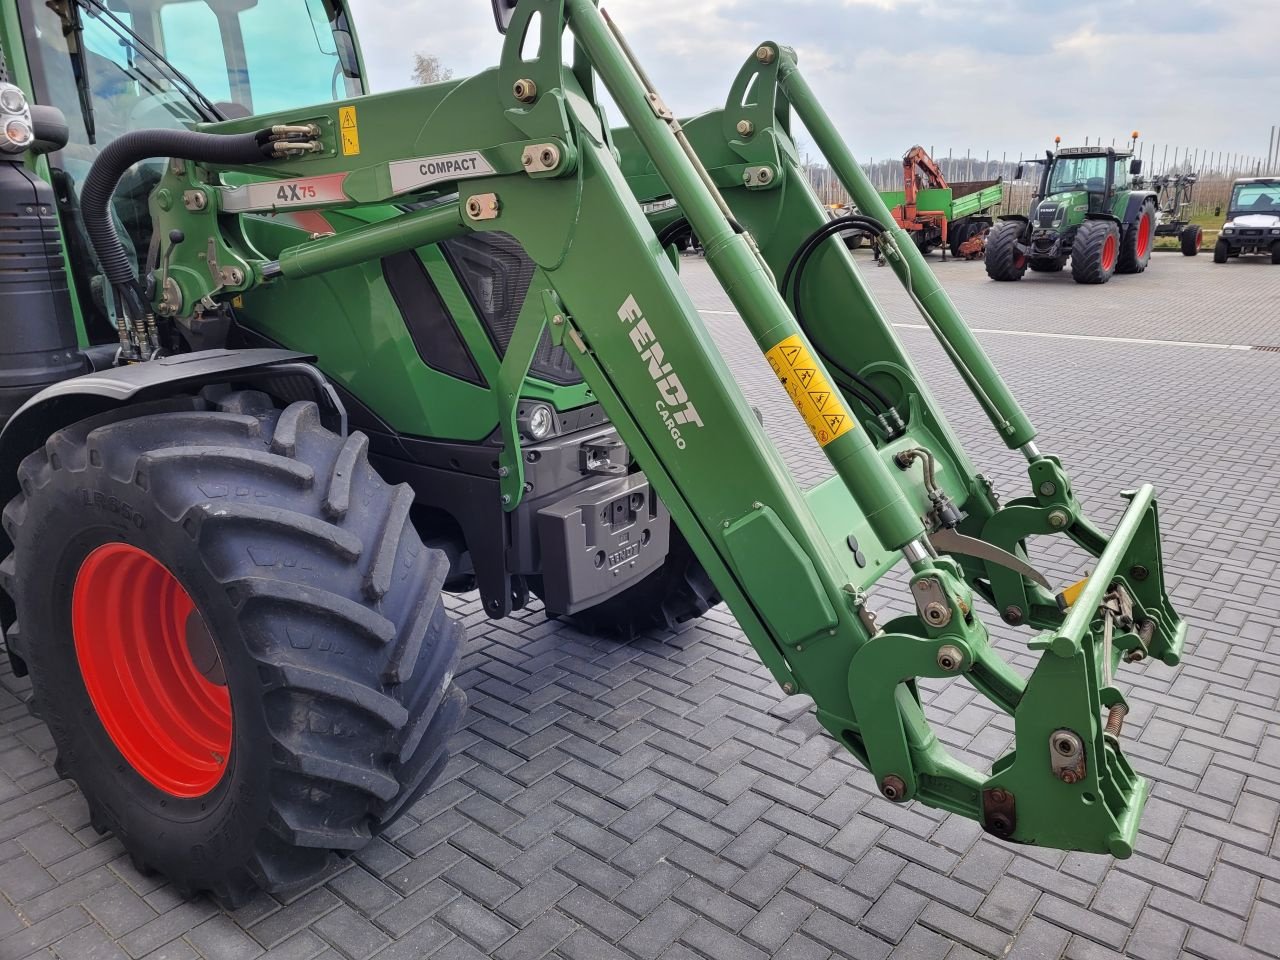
<point>1085,210</point>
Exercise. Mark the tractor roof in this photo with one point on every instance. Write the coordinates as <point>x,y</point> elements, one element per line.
<point>1275,180</point>
<point>1093,152</point>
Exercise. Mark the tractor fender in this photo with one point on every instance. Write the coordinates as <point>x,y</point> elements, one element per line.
<point>69,401</point>
<point>1014,216</point>
<point>1104,216</point>
<point>1136,200</point>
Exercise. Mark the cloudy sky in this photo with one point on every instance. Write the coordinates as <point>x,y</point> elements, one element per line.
<point>999,75</point>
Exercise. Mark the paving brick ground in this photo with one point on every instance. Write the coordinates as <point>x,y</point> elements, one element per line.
<point>661,799</point>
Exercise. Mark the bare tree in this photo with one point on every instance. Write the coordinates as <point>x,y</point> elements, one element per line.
<point>428,68</point>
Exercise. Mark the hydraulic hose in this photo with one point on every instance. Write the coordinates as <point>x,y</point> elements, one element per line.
<point>797,266</point>
<point>121,154</point>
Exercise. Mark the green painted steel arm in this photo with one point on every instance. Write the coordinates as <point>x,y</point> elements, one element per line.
<point>525,151</point>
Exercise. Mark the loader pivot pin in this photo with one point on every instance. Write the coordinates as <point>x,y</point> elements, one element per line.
<point>893,788</point>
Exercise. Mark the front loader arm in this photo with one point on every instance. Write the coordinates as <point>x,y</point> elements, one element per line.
<point>525,149</point>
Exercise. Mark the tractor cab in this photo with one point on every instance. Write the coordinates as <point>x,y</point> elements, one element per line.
<point>113,66</point>
<point>1081,177</point>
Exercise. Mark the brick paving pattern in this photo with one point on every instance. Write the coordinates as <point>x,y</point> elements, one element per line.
<point>661,799</point>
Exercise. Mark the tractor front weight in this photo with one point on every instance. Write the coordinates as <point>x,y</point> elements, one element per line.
<point>522,149</point>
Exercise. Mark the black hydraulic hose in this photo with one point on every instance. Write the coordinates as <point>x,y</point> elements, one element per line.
<point>672,231</point>
<point>797,266</point>
<point>121,154</point>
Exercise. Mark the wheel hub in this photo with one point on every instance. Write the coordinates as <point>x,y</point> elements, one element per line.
<point>152,670</point>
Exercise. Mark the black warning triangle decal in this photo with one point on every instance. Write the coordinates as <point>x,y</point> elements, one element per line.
<point>835,421</point>
<point>819,398</point>
<point>806,375</point>
<point>791,353</point>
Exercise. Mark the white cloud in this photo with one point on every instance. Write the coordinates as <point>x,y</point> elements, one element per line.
<point>998,75</point>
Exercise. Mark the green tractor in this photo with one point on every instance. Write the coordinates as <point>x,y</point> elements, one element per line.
<point>1085,210</point>
<point>285,361</point>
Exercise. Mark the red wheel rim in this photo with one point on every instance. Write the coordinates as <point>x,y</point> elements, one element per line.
<point>1144,235</point>
<point>1199,238</point>
<point>136,630</point>
<point>1019,260</point>
<point>1109,252</point>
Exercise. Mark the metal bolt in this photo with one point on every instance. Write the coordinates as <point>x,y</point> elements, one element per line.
<point>1068,777</point>
<point>1115,720</point>
<point>765,54</point>
<point>1139,572</point>
<point>1000,825</point>
<point>474,209</point>
<point>746,128</point>
<point>998,796</point>
<point>526,91</point>
<point>549,157</point>
<point>1012,616</point>
<point>503,471</point>
<point>557,321</point>
<point>950,657</point>
<point>757,505</point>
<point>1058,519</point>
<point>788,688</point>
<point>936,613</point>
<point>1047,489</point>
<point>506,498</point>
<point>527,159</point>
<point>765,175</point>
<point>1064,745</point>
<point>892,786</point>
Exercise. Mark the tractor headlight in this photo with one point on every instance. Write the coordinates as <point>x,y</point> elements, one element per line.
<point>12,100</point>
<point>537,421</point>
<point>17,135</point>
<point>1228,229</point>
<point>1275,230</point>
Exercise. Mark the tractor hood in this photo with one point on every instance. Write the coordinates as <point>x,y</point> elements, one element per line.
<point>1057,209</point>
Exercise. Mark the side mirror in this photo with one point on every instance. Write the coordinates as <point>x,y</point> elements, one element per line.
<point>1135,167</point>
<point>50,129</point>
<point>503,10</point>
<point>1017,174</point>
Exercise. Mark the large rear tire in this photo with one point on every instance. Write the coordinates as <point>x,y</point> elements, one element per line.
<point>1004,260</point>
<point>1137,241</point>
<point>676,593</point>
<point>234,634</point>
<point>1095,252</point>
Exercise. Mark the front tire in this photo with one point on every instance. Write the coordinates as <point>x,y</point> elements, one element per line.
<point>1221,251</point>
<point>1004,260</point>
<point>1095,252</point>
<point>234,634</point>
<point>1275,253</point>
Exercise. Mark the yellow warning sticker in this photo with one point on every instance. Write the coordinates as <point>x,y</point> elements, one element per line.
<point>350,131</point>
<point>818,402</point>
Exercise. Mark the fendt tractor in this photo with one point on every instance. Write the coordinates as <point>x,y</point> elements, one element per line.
<point>1084,209</point>
<point>282,361</point>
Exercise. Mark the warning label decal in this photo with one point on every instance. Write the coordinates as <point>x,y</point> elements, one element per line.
<point>350,131</point>
<point>811,392</point>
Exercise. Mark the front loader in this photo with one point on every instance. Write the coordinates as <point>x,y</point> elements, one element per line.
<point>232,621</point>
